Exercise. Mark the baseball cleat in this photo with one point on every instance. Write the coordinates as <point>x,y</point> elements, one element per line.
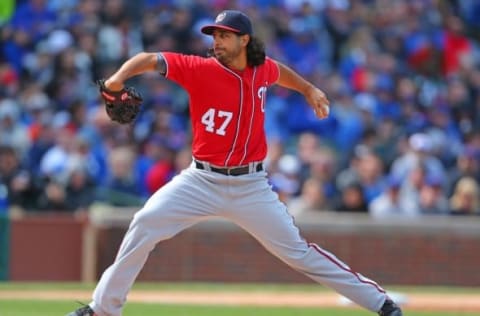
<point>83,311</point>
<point>389,308</point>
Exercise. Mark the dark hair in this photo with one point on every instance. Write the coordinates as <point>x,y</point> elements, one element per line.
<point>255,52</point>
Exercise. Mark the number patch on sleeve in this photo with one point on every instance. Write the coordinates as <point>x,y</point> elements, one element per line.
<point>208,119</point>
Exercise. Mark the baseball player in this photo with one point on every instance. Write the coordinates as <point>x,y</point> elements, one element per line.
<point>227,177</point>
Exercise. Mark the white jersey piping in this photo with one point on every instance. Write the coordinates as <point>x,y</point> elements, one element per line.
<point>239,115</point>
<point>251,118</point>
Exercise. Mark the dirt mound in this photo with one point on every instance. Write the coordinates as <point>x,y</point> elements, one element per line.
<point>427,301</point>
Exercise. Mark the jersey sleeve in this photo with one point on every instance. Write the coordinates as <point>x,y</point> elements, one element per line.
<point>181,68</point>
<point>272,70</point>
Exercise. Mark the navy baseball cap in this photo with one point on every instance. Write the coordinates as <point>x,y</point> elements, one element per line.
<point>230,20</point>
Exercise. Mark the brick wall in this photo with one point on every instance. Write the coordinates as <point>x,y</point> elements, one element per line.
<point>430,251</point>
<point>47,247</point>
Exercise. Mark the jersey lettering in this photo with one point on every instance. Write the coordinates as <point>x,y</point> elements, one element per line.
<point>228,117</point>
<point>208,119</point>
<point>262,95</point>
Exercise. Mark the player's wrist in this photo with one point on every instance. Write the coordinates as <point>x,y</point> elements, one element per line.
<point>309,90</point>
<point>113,84</point>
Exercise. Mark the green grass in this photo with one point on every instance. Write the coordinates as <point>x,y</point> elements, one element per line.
<point>50,308</point>
<point>28,307</point>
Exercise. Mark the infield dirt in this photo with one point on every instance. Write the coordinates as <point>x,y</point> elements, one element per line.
<point>424,301</point>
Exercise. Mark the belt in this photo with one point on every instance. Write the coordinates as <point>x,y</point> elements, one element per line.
<point>229,171</point>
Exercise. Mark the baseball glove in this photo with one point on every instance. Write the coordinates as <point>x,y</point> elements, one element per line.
<point>121,106</point>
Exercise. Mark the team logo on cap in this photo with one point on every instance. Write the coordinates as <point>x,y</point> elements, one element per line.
<point>220,17</point>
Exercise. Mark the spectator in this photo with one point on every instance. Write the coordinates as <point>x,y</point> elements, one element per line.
<point>432,200</point>
<point>389,203</point>
<point>349,173</point>
<point>9,79</point>
<point>154,151</point>
<point>56,161</point>
<point>370,174</point>
<point>286,181</point>
<point>44,140</point>
<point>311,199</point>
<point>411,187</point>
<point>163,169</point>
<point>80,190</point>
<point>456,47</point>
<point>53,197</point>
<point>418,152</point>
<point>352,199</point>
<point>121,188</point>
<point>12,131</point>
<point>307,145</point>
<point>466,198</point>
<point>21,188</point>
<point>467,165</point>
<point>323,167</point>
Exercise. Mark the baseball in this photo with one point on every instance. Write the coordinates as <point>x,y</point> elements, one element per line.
<point>327,109</point>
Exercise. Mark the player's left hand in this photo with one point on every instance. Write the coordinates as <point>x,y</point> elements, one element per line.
<point>122,105</point>
<point>319,102</point>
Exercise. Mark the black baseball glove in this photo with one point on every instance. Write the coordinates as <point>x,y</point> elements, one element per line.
<point>121,106</point>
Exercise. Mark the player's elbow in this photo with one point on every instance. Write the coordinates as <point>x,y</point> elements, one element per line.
<point>146,61</point>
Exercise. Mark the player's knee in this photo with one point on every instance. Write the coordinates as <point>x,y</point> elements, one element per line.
<point>151,225</point>
<point>142,220</point>
<point>297,260</point>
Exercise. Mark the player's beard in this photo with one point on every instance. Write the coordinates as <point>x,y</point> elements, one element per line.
<point>226,56</point>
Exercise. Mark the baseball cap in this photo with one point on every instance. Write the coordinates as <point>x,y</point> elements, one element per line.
<point>420,142</point>
<point>393,181</point>
<point>433,180</point>
<point>230,20</point>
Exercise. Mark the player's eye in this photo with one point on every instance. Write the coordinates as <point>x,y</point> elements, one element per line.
<point>225,34</point>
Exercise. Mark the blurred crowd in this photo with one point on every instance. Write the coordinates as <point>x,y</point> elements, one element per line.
<point>403,78</point>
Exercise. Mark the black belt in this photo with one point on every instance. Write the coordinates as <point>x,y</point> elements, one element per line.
<point>232,171</point>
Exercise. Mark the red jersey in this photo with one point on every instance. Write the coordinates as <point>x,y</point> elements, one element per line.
<point>226,107</point>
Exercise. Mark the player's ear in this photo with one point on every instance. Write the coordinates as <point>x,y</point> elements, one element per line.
<point>244,39</point>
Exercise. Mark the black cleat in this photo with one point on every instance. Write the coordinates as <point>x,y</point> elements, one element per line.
<point>83,311</point>
<point>389,308</point>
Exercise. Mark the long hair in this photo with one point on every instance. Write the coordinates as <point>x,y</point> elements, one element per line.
<point>255,52</point>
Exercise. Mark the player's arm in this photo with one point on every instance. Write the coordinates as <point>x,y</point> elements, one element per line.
<point>314,96</point>
<point>138,64</point>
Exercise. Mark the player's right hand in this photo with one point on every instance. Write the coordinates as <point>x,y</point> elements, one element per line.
<point>319,102</point>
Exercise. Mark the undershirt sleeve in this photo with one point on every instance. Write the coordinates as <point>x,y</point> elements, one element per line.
<point>161,64</point>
